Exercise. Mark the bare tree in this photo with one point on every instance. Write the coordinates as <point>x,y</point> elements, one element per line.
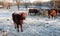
<point>6,4</point>
<point>26,3</point>
<point>8,7</point>
<point>18,3</point>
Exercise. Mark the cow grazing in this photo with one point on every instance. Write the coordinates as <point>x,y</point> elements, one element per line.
<point>18,20</point>
<point>33,11</point>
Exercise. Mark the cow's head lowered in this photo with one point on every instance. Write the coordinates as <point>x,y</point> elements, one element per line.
<point>23,15</point>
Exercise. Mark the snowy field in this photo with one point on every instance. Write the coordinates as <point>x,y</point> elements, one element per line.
<point>33,25</point>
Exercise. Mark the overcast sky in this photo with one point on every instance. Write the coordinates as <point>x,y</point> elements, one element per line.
<point>30,0</point>
<point>1,0</point>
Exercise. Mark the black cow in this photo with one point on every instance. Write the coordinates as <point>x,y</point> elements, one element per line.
<point>33,11</point>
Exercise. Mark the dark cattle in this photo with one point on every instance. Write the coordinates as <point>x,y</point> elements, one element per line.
<point>33,11</point>
<point>52,13</point>
<point>18,20</point>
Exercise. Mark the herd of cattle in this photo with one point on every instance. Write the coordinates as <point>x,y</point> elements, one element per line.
<point>52,12</point>
<point>19,17</point>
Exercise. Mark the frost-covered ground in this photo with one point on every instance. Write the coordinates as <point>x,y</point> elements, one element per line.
<point>33,25</point>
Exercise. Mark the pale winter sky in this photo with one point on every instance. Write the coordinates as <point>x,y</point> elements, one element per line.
<point>30,0</point>
<point>40,0</point>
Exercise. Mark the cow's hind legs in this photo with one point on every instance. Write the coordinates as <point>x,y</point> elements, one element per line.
<point>21,28</point>
<point>15,25</point>
<point>52,16</point>
<point>49,16</point>
<point>18,28</point>
<point>55,17</point>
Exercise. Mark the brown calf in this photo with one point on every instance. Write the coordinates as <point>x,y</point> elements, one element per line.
<point>18,20</point>
<point>52,13</point>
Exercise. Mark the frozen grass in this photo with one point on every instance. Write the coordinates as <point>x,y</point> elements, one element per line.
<point>33,26</point>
